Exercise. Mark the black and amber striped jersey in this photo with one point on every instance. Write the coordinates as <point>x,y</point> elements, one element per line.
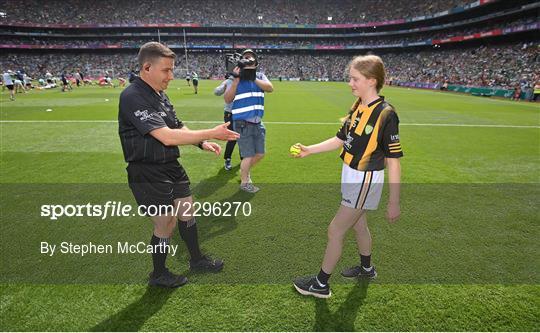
<point>370,133</point>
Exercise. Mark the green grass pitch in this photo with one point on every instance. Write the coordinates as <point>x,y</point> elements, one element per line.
<point>464,255</point>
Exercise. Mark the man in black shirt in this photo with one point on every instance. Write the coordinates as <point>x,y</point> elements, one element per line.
<point>150,133</point>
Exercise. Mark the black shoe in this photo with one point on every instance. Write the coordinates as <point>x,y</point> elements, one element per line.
<point>167,280</point>
<point>205,263</point>
<point>359,271</point>
<point>308,285</point>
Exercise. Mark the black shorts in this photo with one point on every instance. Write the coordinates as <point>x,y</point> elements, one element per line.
<point>9,86</point>
<point>195,82</point>
<point>158,184</point>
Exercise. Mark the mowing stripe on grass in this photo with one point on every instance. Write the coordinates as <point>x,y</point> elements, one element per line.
<point>278,123</point>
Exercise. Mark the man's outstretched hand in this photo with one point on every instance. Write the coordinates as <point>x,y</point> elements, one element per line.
<point>221,132</point>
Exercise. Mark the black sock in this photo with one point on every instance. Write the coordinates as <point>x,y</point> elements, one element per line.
<point>159,255</point>
<point>323,277</point>
<point>229,147</point>
<point>188,233</point>
<point>365,261</point>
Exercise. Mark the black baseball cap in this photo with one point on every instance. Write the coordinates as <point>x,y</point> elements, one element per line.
<point>254,55</point>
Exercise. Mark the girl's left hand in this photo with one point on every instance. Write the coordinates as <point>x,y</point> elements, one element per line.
<point>212,147</point>
<point>393,212</point>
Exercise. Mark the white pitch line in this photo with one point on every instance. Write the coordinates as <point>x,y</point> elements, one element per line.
<point>471,125</point>
<point>276,123</point>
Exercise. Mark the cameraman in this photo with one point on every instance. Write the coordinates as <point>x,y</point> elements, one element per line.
<point>246,93</point>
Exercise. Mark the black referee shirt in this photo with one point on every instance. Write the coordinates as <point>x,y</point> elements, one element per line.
<point>142,110</point>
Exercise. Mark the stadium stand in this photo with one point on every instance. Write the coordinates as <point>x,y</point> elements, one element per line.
<point>494,42</point>
<point>219,12</point>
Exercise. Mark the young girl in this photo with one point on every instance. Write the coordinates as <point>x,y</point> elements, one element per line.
<point>369,140</point>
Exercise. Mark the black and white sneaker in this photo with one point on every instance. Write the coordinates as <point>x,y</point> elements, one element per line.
<point>167,280</point>
<point>228,165</point>
<point>359,271</point>
<point>206,263</point>
<point>309,286</point>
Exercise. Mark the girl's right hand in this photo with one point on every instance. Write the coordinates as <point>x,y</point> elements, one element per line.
<point>304,151</point>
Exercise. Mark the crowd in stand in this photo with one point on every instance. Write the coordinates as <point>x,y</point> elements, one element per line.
<point>297,42</point>
<point>486,66</point>
<point>483,27</point>
<point>137,42</point>
<point>503,66</point>
<point>219,12</point>
<point>37,65</point>
<point>494,66</point>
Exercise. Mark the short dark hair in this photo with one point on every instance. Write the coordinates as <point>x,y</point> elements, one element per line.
<point>153,50</point>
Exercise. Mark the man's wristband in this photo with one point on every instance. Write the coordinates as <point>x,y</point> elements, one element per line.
<point>200,145</point>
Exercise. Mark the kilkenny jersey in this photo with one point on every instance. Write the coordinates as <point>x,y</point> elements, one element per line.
<point>370,133</point>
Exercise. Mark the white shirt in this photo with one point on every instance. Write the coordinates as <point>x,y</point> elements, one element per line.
<point>6,77</point>
<point>220,90</point>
